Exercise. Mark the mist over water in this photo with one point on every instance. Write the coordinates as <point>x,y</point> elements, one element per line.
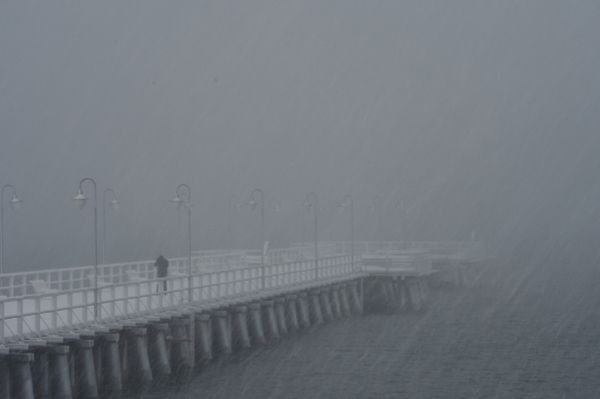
<point>444,120</point>
<point>479,116</point>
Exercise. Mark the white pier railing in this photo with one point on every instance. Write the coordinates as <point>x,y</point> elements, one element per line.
<point>34,304</point>
<point>35,315</point>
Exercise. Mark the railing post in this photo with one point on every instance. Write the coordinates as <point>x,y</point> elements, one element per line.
<point>1,319</point>
<point>85,306</point>
<point>54,321</point>
<point>113,297</point>
<point>137,297</point>
<point>20,319</point>
<point>70,306</point>
<point>38,315</point>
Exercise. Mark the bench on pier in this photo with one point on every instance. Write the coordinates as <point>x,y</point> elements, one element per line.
<point>41,287</point>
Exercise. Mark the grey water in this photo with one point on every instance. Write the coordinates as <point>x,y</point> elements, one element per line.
<point>511,335</point>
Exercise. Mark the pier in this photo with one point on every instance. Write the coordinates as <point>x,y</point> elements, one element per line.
<point>61,338</point>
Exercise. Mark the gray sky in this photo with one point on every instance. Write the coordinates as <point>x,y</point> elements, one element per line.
<point>479,115</point>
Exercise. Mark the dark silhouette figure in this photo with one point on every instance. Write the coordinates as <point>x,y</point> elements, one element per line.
<point>162,270</point>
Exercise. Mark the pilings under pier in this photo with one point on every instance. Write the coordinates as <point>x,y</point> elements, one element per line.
<point>143,351</point>
<point>158,351</point>
<point>385,293</point>
<point>203,337</point>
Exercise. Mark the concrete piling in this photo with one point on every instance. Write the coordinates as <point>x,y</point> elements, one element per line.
<point>112,379</point>
<point>389,283</point>
<point>346,309</point>
<point>97,354</point>
<point>335,302</point>
<point>240,328</point>
<point>60,376</point>
<point>270,320</point>
<point>414,294</point>
<point>291,312</point>
<point>4,377</point>
<point>256,325</point>
<point>315,308</point>
<point>182,355</point>
<point>303,310</point>
<point>157,347</point>
<point>424,291</point>
<point>203,338</point>
<point>21,382</point>
<point>280,314</point>
<point>356,300</point>
<point>326,305</point>
<point>40,373</point>
<point>139,372</point>
<point>223,332</point>
<point>86,386</point>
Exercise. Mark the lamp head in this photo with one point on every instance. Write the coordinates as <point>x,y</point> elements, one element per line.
<point>114,204</point>
<point>177,199</point>
<point>15,202</point>
<point>253,203</point>
<point>80,198</point>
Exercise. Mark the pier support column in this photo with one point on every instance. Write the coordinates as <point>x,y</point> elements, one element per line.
<point>182,355</point>
<point>424,290</point>
<point>21,383</point>
<point>398,293</point>
<point>157,348</point>
<point>223,332</point>
<point>390,294</point>
<point>346,310</point>
<point>326,305</point>
<point>86,386</point>
<point>203,338</point>
<point>112,379</point>
<point>4,377</point>
<point>315,308</point>
<point>303,310</point>
<point>240,328</point>
<point>280,313</point>
<point>411,295</point>
<point>139,372</point>
<point>270,320</point>
<point>415,295</point>
<point>292,314</point>
<point>60,376</point>
<point>335,302</point>
<point>355,298</point>
<point>256,325</point>
<point>41,374</point>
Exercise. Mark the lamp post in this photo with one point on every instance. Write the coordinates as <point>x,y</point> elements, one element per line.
<point>377,208</point>
<point>15,202</point>
<point>400,209</point>
<point>114,203</point>
<point>234,203</point>
<point>253,204</point>
<point>187,202</point>
<point>311,201</point>
<point>82,199</point>
<point>348,201</point>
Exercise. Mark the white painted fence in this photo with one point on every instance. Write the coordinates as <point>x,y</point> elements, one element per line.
<point>35,315</point>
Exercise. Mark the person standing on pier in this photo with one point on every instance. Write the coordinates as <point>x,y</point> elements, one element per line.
<point>162,270</point>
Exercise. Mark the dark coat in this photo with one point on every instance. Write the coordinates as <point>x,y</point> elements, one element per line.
<point>162,266</point>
